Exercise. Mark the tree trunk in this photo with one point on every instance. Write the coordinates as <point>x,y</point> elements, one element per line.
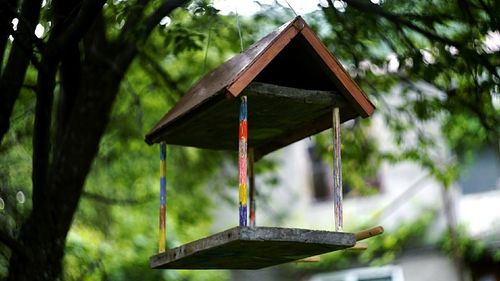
<point>57,191</point>
<point>65,148</point>
<point>43,235</point>
<point>13,74</point>
<point>42,254</point>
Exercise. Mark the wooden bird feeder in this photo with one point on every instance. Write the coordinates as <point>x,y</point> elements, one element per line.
<point>282,89</point>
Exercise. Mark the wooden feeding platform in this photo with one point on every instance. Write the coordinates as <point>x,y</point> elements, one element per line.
<point>285,87</point>
<point>252,248</point>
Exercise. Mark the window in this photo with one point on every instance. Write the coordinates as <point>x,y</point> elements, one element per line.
<point>322,178</point>
<point>484,172</point>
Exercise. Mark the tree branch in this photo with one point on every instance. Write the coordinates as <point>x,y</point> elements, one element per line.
<point>80,25</point>
<point>374,9</point>
<point>135,16</point>
<point>87,123</point>
<point>164,10</point>
<point>25,26</point>
<point>5,30</point>
<point>164,77</point>
<point>377,10</point>
<point>27,47</point>
<point>465,8</point>
<point>17,64</point>
<point>70,72</point>
<point>41,134</point>
<point>428,18</point>
<point>116,201</point>
<point>129,45</point>
<point>493,17</point>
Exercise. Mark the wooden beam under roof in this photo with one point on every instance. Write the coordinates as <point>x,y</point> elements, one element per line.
<point>277,116</point>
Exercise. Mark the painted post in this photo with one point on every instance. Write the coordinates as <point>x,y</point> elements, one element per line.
<point>163,196</point>
<point>242,161</point>
<point>337,171</point>
<point>253,192</point>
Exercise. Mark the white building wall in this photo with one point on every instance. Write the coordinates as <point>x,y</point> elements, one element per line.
<point>427,266</point>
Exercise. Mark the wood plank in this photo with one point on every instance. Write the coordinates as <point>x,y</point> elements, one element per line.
<point>303,96</point>
<point>252,248</point>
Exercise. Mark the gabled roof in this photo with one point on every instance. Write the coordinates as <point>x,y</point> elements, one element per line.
<point>292,57</point>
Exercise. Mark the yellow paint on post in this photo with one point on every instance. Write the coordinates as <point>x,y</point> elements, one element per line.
<point>243,194</point>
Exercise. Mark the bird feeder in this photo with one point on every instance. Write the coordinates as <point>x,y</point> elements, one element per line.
<point>282,89</point>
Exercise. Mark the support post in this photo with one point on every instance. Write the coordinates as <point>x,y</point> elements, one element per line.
<point>253,192</point>
<point>337,171</point>
<point>163,196</point>
<point>242,161</point>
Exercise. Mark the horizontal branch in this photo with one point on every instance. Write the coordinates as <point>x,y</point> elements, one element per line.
<point>157,70</point>
<point>116,201</point>
<point>398,20</point>
<point>164,10</point>
<point>377,10</point>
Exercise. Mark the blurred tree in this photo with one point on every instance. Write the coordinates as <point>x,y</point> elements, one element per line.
<point>441,60</point>
<point>433,68</point>
<point>91,170</point>
<point>77,66</point>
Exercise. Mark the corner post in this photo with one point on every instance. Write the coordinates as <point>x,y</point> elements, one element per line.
<point>163,196</point>
<point>337,171</point>
<point>242,161</point>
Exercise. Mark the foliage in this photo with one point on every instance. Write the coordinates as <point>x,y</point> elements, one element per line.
<point>429,71</point>
<point>423,62</point>
<point>123,218</point>
<point>359,153</point>
<point>471,250</point>
<point>115,228</point>
<point>384,249</point>
<point>112,237</point>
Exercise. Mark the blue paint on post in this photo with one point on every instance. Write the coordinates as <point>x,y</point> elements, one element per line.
<point>163,191</point>
<point>243,215</point>
<point>243,110</point>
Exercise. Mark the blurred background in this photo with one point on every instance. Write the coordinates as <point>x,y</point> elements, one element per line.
<point>83,81</point>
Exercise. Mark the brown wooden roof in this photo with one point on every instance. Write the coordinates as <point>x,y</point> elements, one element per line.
<point>291,57</point>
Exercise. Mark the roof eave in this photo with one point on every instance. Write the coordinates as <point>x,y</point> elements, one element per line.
<point>343,80</point>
